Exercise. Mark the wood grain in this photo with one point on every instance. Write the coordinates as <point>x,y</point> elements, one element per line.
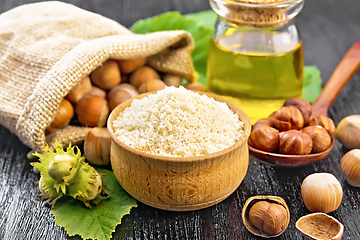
<point>328,29</point>
<point>179,183</point>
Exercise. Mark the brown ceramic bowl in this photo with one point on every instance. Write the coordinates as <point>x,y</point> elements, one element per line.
<point>180,183</point>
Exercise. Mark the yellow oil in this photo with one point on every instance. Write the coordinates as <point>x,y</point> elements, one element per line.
<point>257,82</point>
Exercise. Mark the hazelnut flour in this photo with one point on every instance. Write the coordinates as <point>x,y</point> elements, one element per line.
<point>178,122</point>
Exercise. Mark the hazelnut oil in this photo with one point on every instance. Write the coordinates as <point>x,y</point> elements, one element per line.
<point>258,82</point>
<point>255,58</point>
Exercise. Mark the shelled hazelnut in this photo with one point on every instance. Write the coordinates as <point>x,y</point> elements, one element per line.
<point>287,118</point>
<point>301,104</point>
<point>264,138</point>
<point>294,142</point>
<point>321,139</point>
<point>298,134</point>
<point>263,121</point>
<point>325,122</point>
<point>266,216</point>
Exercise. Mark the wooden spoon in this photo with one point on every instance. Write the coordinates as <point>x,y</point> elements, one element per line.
<point>347,67</point>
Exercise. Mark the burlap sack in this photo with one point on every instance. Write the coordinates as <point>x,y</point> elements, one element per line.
<point>46,48</point>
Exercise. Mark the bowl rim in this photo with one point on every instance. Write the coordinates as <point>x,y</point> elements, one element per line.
<point>242,116</point>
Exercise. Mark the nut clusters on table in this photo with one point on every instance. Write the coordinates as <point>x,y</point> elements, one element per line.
<point>321,193</point>
<point>290,130</point>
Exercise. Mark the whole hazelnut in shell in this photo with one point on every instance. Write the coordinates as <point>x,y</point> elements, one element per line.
<point>195,86</point>
<point>120,93</point>
<point>294,142</point>
<point>172,80</point>
<point>303,105</point>
<point>264,138</point>
<point>151,85</point>
<point>321,192</point>
<point>348,131</point>
<point>350,167</point>
<point>92,111</point>
<point>287,118</point>
<point>127,66</point>
<point>81,89</point>
<point>320,138</point>
<point>63,115</point>
<point>141,75</point>
<point>96,91</point>
<point>97,144</point>
<point>107,75</point>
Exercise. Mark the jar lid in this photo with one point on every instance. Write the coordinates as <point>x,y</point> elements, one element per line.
<point>261,1</point>
<point>257,13</point>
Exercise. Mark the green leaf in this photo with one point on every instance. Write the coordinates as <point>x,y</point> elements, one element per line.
<point>312,83</point>
<point>201,31</point>
<point>100,221</point>
<point>201,26</point>
<point>206,18</point>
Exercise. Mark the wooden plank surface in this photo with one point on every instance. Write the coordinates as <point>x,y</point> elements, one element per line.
<point>328,28</point>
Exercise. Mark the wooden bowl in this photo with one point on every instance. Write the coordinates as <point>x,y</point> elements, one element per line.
<point>180,183</point>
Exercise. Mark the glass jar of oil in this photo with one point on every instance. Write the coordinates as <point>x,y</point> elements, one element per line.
<point>256,58</point>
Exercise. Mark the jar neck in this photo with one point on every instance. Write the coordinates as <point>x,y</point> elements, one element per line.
<point>268,15</point>
<point>271,40</point>
<point>250,28</point>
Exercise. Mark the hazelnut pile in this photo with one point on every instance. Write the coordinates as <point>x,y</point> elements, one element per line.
<point>290,130</point>
<point>115,81</point>
<point>90,102</point>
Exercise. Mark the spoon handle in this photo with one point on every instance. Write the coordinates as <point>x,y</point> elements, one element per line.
<point>344,71</point>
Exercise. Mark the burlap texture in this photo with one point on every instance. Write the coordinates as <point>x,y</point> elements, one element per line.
<point>46,48</point>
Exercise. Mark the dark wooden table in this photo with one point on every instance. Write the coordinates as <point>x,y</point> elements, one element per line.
<point>328,28</point>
